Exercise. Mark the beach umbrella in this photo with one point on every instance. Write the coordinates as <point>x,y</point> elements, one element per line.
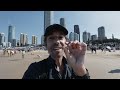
<point>108,47</point>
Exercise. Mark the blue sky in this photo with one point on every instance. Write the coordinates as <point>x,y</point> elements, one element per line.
<point>32,22</point>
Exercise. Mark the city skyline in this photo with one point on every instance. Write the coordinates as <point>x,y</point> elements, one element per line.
<point>32,22</point>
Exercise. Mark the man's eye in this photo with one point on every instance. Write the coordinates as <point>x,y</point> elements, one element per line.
<point>60,37</point>
<point>51,38</point>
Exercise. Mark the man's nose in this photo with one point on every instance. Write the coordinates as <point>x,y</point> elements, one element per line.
<point>57,41</point>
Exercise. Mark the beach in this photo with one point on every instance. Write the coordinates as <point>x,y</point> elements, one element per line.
<point>100,65</point>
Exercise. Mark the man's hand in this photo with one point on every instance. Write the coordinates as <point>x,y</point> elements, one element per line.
<point>75,53</point>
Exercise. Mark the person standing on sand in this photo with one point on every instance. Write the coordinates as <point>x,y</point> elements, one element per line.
<point>23,54</point>
<point>58,66</point>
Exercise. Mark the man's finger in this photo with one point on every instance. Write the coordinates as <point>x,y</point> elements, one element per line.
<point>67,53</point>
<point>65,48</point>
<point>83,46</point>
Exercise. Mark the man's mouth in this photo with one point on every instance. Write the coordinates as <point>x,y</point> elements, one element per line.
<point>57,48</point>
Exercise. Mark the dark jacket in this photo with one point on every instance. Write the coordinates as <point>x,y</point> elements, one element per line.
<point>45,69</point>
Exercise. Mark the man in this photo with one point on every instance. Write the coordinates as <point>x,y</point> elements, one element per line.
<point>66,59</point>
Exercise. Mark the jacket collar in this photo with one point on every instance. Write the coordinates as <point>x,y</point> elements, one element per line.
<point>51,61</point>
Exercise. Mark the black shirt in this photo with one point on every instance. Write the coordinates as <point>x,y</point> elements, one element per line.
<point>46,69</point>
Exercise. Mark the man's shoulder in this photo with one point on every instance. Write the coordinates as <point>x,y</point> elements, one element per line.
<point>36,69</point>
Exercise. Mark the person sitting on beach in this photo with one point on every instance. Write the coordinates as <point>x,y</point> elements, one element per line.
<point>65,61</point>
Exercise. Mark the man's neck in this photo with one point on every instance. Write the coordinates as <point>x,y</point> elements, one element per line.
<point>59,64</point>
<point>58,61</point>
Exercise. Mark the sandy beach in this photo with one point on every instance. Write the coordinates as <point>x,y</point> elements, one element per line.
<point>101,65</point>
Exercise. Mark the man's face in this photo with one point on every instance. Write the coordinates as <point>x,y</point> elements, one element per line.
<point>54,46</point>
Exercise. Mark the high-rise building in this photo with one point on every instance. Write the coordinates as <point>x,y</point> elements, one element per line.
<point>11,33</point>
<point>4,44</point>
<point>76,37</point>
<point>8,44</point>
<point>34,40</point>
<point>2,38</point>
<point>23,39</point>
<point>18,43</point>
<point>94,37</point>
<point>62,22</point>
<point>42,40</point>
<point>89,36</point>
<point>85,36</point>
<point>112,36</point>
<point>48,19</point>
<point>71,36</point>
<point>13,42</point>
<point>26,40</point>
<point>76,30</point>
<point>101,33</point>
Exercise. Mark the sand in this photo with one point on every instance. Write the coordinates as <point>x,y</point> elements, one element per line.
<point>101,65</point>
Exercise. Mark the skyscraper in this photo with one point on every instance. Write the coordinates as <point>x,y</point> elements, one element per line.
<point>18,43</point>
<point>34,40</point>
<point>94,37</point>
<point>71,36</point>
<point>89,36</point>
<point>14,43</point>
<point>42,40</point>
<point>8,44</point>
<point>11,33</point>
<point>48,19</point>
<point>85,36</point>
<point>76,30</point>
<point>23,39</point>
<point>2,38</point>
<point>26,39</point>
<point>76,37</point>
<point>112,36</point>
<point>101,33</point>
<point>62,22</point>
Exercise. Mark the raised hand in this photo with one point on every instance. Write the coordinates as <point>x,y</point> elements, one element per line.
<point>75,54</point>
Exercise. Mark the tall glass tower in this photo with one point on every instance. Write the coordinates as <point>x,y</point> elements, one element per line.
<point>34,39</point>
<point>23,39</point>
<point>62,22</point>
<point>71,36</point>
<point>48,19</point>
<point>2,38</point>
<point>101,33</point>
<point>85,36</point>
<point>76,30</point>
<point>11,33</point>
